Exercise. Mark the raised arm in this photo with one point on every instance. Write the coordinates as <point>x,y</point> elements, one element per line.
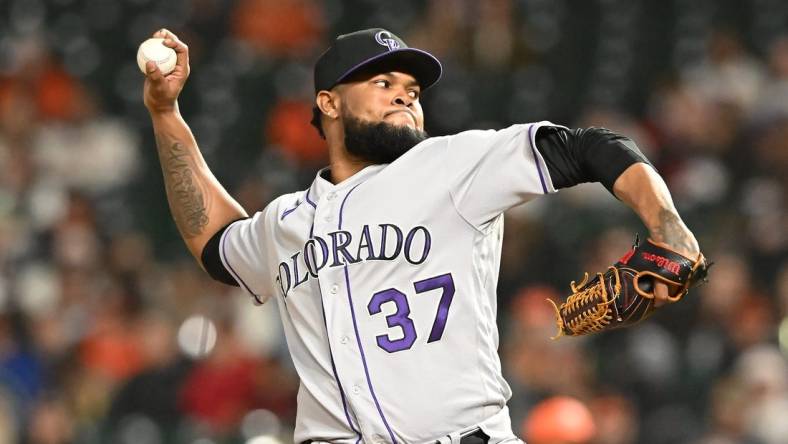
<point>199,204</point>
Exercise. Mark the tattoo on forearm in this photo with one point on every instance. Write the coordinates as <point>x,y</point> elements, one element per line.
<point>672,231</point>
<point>184,193</point>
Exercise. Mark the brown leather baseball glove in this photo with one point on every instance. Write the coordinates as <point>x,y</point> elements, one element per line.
<point>624,294</point>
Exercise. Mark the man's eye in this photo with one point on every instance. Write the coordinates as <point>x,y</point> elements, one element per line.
<point>413,94</point>
<point>383,83</point>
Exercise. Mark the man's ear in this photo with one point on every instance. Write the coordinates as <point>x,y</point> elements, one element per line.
<point>327,102</point>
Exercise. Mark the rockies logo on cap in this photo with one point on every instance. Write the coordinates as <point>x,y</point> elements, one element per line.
<point>384,38</point>
<point>374,48</point>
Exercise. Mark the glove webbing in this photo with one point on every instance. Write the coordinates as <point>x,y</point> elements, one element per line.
<point>593,300</point>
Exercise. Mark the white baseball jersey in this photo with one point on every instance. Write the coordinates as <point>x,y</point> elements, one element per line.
<point>386,284</point>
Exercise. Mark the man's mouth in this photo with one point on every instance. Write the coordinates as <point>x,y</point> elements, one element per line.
<point>406,111</point>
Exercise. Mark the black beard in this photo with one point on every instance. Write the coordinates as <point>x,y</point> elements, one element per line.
<point>379,142</point>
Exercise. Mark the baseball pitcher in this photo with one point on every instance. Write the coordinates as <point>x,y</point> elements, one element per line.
<point>384,269</point>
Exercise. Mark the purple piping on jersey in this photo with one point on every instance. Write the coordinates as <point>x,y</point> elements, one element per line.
<point>363,357</point>
<point>532,142</point>
<point>355,329</point>
<point>232,270</point>
<point>342,206</point>
<point>334,370</point>
<point>290,210</point>
<point>308,200</point>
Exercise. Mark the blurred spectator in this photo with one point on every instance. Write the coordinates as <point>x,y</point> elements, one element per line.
<point>443,28</point>
<point>559,420</point>
<point>220,390</point>
<point>153,392</point>
<point>781,289</point>
<point>772,101</point>
<point>494,36</point>
<point>279,27</point>
<point>22,377</point>
<point>729,75</point>
<point>51,423</point>
<point>111,348</point>
<point>59,96</point>
<point>745,404</point>
<point>8,419</point>
<point>615,419</point>
<point>289,129</point>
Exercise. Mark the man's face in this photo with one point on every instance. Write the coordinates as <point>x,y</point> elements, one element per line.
<point>381,116</point>
<point>391,97</point>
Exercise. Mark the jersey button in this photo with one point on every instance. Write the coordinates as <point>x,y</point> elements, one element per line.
<point>344,339</point>
<point>356,389</point>
<point>332,195</point>
<point>328,218</point>
<point>334,289</point>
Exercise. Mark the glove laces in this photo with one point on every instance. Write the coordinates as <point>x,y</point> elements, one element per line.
<point>587,310</point>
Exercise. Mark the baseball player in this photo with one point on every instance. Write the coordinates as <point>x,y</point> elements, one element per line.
<point>384,269</point>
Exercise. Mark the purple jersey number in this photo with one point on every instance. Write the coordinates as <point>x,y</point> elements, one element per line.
<point>445,282</point>
<point>398,319</point>
<point>401,318</point>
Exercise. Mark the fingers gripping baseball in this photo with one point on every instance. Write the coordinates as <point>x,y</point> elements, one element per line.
<point>172,41</point>
<point>161,91</point>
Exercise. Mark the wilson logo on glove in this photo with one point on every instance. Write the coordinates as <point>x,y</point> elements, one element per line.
<point>662,262</point>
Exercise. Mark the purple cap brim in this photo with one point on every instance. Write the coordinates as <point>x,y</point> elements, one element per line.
<point>428,73</point>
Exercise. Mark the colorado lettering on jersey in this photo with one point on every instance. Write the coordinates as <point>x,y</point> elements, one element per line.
<point>389,242</point>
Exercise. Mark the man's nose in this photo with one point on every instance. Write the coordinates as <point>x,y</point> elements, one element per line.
<point>402,99</point>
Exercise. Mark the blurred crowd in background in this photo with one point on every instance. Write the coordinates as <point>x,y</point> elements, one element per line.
<point>110,332</point>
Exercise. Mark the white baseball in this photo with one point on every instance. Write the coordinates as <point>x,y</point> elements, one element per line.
<point>155,51</point>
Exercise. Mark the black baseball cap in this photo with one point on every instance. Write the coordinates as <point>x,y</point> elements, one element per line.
<point>369,48</point>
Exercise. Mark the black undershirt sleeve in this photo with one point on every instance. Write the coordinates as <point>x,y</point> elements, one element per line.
<point>212,262</point>
<point>575,156</point>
